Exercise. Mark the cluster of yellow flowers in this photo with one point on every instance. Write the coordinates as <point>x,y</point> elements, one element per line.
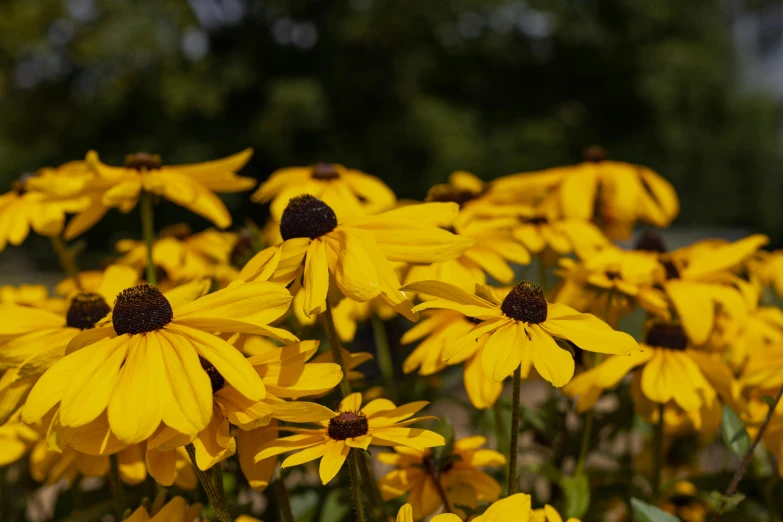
<point>182,353</point>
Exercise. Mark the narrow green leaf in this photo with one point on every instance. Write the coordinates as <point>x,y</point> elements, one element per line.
<point>577,495</point>
<point>733,431</point>
<point>643,512</point>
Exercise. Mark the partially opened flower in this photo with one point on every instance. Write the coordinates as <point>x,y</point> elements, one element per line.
<point>380,423</point>
<point>192,186</point>
<point>523,328</point>
<point>349,192</point>
<point>405,514</point>
<point>175,510</point>
<point>672,372</point>
<point>145,368</point>
<point>355,255</point>
<point>459,476</point>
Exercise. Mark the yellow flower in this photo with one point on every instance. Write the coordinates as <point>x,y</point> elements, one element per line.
<point>623,193</point>
<point>518,508</point>
<point>380,422</point>
<point>762,327</point>
<point>672,373</point>
<point>175,510</point>
<point>191,186</point>
<point>24,207</point>
<point>767,267</point>
<point>538,233</point>
<point>440,330</point>
<point>351,361</point>
<point>420,476</point>
<point>405,514</point>
<point>30,295</point>
<point>33,338</point>
<point>144,368</point>
<point>357,254</point>
<point>523,328</point>
<point>348,192</point>
<point>185,256</point>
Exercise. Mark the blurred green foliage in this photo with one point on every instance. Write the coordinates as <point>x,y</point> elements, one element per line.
<point>407,90</point>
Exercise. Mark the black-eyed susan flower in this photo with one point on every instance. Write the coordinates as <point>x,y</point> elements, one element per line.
<point>523,328</point>
<point>175,510</point>
<point>437,332</point>
<point>35,338</point>
<point>380,422</point>
<point>145,368</point>
<point>460,478</point>
<point>405,514</point>
<point>518,508</point>
<point>355,255</point>
<point>348,192</point>
<point>673,372</point>
<point>192,186</point>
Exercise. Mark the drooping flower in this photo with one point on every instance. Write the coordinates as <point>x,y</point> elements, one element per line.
<point>459,476</point>
<point>348,192</point>
<point>357,254</point>
<point>144,368</point>
<point>192,186</point>
<point>523,328</point>
<point>380,423</point>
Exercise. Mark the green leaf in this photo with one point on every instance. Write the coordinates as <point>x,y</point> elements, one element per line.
<point>643,512</point>
<point>733,431</point>
<point>336,506</point>
<point>768,400</point>
<point>577,495</point>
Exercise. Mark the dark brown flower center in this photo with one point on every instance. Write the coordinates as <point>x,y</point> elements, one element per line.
<point>667,335</point>
<point>612,275</point>
<point>671,269</point>
<point>446,193</point>
<point>143,161</point>
<point>215,379</point>
<point>86,309</point>
<point>650,241</point>
<point>307,216</point>
<point>324,171</point>
<point>594,153</point>
<point>140,309</point>
<point>20,185</point>
<point>348,425</point>
<point>537,220</point>
<point>525,302</point>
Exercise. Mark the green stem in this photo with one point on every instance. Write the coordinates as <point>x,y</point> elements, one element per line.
<point>355,485</point>
<point>658,452</point>
<point>500,430</point>
<point>67,260</point>
<point>148,230</point>
<point>743,465</point>
<point>217,500</point>
<point>117,489</point>
<point>334,345</point>
<point>216,473</point>
<point>585,445</point>
<point>282,497</point>
<point>514,443</point>
<point>370,486</point>
<point>384,356</point>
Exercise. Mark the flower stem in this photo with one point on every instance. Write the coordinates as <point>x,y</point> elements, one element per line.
<point>217,500</point>
<point>334,345</point>
<point>384,356</point>
<point>117,489</point>
<point>658,452</point>
<point>355,493</point>
<point>587,434</point>
<point>371,486</point>
<point>148,230</point>
<point>743,465</point>
<point>442,493</point>
<point>67,260</point>
<point>282,497</point>
<point>514,443</point>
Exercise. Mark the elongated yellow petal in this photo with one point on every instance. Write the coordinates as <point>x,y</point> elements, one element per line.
<point>516,507</point>
<point>553,363</point>
<point>590,333</point>
<point>333,459</point>
<point>695,306</point>
<point>474,340</point>
<point>316,278</point>
<point>412,437</point>
<point>503,351</point>
<point>306,455</point>
<point>482,392</point>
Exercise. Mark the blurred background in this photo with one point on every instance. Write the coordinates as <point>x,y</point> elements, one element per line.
<point>406,90</point>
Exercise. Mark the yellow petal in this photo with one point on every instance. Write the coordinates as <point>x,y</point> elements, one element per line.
<point>333,459</point>
<point>694,305</point>
<point>553,363</point>
<point>316,278</point>
<point>503,351</point>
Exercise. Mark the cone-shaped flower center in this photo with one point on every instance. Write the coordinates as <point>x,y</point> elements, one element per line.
<point>141,308</point>
<point>445,193</point>
<point>86,309</point>
<point>650,241</point>
<point>307,216</point>
<point>215,378</point>
<point>324,171</point>
<point>667,335</point>
<point>143,161</point>
<point>348,425</point>
<point>525,302</point>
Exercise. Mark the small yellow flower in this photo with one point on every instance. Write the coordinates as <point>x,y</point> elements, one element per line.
<point>144,368</point>
<point>461,479</point>
<point>522,329</point>
<point>380,422</point>
<point>192,186</point>
<point>348,192</point>
<point>176,510</point>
